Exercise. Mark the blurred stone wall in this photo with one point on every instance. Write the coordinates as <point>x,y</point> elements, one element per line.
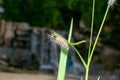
<point>26,47</point>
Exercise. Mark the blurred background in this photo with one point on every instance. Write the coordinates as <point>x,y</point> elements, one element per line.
<point>26,50</point>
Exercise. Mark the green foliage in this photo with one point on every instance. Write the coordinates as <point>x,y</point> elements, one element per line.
<point>54,13</point>
<point>36,12</point>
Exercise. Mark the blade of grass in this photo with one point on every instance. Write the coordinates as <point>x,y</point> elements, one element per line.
<point>62,65</point>
<point>63,58</point>
<point>70,32</point>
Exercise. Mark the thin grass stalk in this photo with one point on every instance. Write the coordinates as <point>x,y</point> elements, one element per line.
<point>93,49</point>
<point>91,32</point>
<point>87,73</point>
<point>96,40</point>
<point>70,32</point>
<point>91,38</point>
<point>83,61</point>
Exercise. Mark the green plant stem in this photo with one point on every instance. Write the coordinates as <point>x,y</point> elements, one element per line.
<point>87,66</point>
<point>63,58</point>
<point>83,61</point>
<point>78,43</point>
<point>93,49</point>
<point>70,32</point>
<point>91,32</point>
<point>87,73</point>
<point>98,78</point>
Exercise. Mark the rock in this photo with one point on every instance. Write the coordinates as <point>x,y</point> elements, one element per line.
<point>2,62</point>
<point>22,26</point>
<point>9,33</point>
<point>21,58</point>
<point>2,30</point>
<point>110,57</point>
<point>22,39</point>
<point>5,55</point>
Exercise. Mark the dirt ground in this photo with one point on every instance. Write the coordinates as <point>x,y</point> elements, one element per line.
<point>10,73</point>
<point>26,76</point>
